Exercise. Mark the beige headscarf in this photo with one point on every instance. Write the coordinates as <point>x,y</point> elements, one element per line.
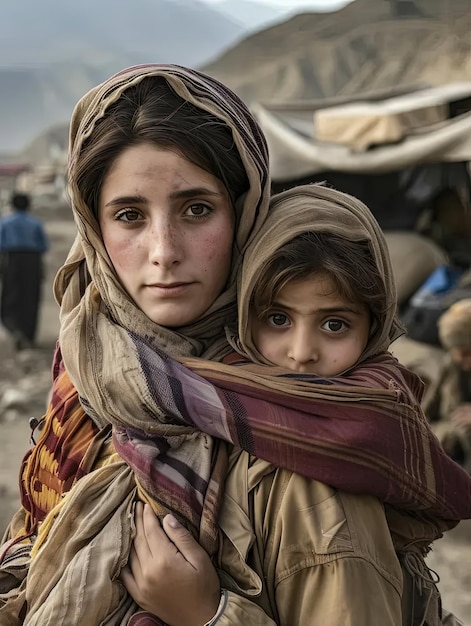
<point>454,326</point>
<point>316,208</point>
<point>204,337</point>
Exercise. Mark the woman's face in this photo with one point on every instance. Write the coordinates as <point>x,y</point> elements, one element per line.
<point>168,228</point>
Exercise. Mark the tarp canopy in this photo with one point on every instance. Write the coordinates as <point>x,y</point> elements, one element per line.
<point>368,135</point>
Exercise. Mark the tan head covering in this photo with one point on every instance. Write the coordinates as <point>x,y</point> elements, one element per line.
<point>105,293</point>
<point>454,326</point>
<point>315,208</point>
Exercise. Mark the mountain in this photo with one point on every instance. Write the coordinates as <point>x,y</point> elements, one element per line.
<point>367,45</point>
<point>256,15</point>
<point>252,15</point>
<point>52,51</point>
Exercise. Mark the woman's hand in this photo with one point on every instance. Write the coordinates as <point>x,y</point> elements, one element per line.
<point>168,573</point>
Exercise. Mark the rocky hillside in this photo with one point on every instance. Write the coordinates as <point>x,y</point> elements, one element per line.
<point>364,46</point>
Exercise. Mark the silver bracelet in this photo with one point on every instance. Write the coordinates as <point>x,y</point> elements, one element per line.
<point>221,608</point>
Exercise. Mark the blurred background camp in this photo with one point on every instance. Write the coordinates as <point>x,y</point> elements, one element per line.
<point>372,96</point>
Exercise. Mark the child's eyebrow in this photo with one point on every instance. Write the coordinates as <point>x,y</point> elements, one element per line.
<point>343,309</point>
<point>326,310</point>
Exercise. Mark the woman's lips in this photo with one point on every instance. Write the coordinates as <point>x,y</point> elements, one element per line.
<point>169,289</point>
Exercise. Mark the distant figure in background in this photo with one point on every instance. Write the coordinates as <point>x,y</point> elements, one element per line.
<point>23,242</point>
<point>450,406</point>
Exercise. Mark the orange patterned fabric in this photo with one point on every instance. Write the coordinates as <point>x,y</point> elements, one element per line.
<point>69,446</point>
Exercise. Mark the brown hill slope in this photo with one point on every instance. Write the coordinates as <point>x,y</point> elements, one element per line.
<point>361,47</point>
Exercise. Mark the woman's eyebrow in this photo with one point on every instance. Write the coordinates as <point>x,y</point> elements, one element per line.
<point>120,200</point>
<point>194,191</point>
<point>176,195</point>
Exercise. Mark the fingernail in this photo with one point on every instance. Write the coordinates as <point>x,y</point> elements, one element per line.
<point>172,521</point>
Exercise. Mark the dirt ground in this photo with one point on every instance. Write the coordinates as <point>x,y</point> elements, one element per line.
<point>29,377</point>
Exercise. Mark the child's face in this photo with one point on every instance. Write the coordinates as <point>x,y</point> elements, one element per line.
<point>311,329</point>
<point>462,357</point>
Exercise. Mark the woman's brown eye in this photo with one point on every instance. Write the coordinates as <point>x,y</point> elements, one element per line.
<point>199,210</point>
<point>128,216</point>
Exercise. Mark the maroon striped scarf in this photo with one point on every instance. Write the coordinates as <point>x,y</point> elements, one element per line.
<point>363,432</point>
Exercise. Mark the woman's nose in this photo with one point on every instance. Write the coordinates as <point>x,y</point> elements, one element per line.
<point>165,245</point>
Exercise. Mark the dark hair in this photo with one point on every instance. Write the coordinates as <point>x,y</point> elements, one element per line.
<point>152,113</point>
<point>350,265</point>
<point>20,201</point>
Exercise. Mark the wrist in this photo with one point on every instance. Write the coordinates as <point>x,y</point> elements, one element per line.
<point>220,609</point>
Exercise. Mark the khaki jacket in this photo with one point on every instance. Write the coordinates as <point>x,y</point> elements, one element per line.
<point>303,552</point>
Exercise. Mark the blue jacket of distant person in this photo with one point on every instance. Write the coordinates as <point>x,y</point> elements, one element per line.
<point>21,231</point>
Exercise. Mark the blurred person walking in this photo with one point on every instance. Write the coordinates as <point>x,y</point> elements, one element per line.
<point>23,242</point>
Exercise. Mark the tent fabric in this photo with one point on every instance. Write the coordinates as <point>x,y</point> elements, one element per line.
<point>364,124</point>
<point>295,152</point>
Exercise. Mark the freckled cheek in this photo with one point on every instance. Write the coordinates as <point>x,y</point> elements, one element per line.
<point>216,249</point>
<point>124,253</point>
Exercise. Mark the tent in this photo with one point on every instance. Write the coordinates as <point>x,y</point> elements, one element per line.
<point>368,134</point>
<point>404,152</point>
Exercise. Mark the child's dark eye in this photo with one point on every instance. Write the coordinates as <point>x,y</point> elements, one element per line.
<point>335,326</point>
<point>278,319</point>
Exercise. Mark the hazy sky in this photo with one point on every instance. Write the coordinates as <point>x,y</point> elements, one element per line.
<point>294,4</point>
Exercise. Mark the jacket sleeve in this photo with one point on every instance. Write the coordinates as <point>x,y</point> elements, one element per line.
<point>239,610</point>
<point>320,556</point>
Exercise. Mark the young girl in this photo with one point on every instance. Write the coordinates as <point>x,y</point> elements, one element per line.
<point>316,296</point>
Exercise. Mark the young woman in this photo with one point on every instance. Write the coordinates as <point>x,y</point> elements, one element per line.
<point>169,185</point>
